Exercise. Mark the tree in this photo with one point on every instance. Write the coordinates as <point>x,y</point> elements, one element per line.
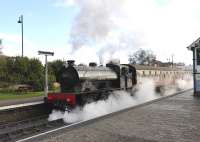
<point>35,76</point>
<point>3,71</point>
<point>22,70</point>
<point>142,57</point>
<point>54,68</point>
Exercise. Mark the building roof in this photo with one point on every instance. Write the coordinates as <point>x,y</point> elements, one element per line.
<point>195,44</point>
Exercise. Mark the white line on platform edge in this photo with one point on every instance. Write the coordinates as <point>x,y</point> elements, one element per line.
<point>22,140</point>
<point>20,105</point>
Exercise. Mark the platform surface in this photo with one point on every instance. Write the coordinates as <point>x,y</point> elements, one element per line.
<point>174,119</point>
<point>13,102</point>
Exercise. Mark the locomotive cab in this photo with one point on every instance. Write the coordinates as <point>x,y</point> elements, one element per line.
<point>128,77</point>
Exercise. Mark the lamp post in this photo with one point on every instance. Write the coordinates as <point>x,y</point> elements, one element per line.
<point>1,46</point>
<point>172,60</point>
<point>46,69</point>
<point>21,22</point>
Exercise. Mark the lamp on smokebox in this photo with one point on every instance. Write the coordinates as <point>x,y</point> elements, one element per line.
<point>46,69</point>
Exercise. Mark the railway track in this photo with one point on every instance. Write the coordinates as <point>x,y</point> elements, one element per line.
<point>21,129</point>
<point>19,121</point>
<point>22,113</point>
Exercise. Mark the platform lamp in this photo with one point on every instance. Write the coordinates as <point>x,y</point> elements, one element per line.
<point>45,53</point>
<point>22,30</point>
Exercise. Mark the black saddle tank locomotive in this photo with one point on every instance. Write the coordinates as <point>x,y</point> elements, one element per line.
<point>82,84</point>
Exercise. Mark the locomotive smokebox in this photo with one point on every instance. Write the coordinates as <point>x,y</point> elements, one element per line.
<point>70,62</point>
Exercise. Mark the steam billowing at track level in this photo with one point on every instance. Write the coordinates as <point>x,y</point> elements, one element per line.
<point>119,100</point>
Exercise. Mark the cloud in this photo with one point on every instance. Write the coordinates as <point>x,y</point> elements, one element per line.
<point>12,45</point>
<point>10,37</point>
<point>167,29</point>
<point>65,3</point>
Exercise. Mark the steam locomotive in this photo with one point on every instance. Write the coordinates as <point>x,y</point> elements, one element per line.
<point>83,84</point>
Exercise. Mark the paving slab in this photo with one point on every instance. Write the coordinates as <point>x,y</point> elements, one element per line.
<point>174,119</point>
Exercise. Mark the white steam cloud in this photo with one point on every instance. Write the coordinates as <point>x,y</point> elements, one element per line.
<point>147,24</point>
<point>96,26</point>
<point>118,100</point>
<point>184,83</point>
<point>94,20</point>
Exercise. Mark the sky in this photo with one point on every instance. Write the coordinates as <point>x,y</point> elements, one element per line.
<point>100,30</point>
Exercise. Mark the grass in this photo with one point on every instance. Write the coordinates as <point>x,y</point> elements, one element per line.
<point>19,95</point>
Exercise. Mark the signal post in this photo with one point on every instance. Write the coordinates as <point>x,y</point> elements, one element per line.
<point>45,53</point>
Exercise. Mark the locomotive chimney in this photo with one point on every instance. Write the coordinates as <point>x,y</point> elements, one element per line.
<point>92,64</point>
<point>70,62</point>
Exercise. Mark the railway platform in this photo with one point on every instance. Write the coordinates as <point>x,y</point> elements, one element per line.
<point>173,119</point>
<point>4,104</point>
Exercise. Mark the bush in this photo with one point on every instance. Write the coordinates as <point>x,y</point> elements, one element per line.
<point>22,70</point>
<point>18,70</point>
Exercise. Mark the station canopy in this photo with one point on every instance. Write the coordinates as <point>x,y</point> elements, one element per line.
<point>195,44</point>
